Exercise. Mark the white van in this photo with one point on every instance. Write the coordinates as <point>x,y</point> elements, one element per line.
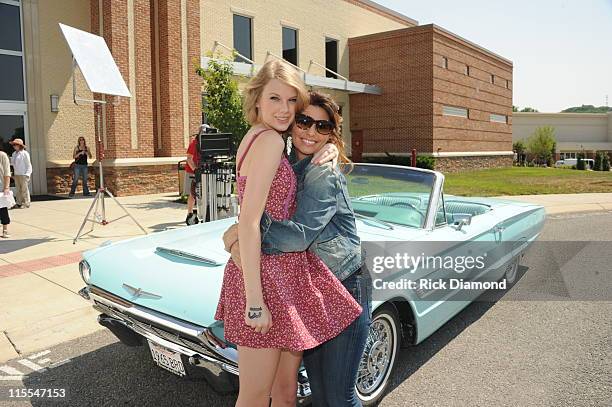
<point>589,163</point>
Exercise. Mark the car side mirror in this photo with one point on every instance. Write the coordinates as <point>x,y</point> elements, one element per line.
<point>460,219</point>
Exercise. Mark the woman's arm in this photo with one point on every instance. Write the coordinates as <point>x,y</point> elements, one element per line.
<point>88,152</point>
<point>75,153</point>
<point>266,154</point>
<point>316,206</point>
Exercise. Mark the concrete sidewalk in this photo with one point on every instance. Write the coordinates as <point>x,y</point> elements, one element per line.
<point>39,279</point>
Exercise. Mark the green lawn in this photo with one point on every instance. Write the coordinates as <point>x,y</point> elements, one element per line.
<point>526,181</point>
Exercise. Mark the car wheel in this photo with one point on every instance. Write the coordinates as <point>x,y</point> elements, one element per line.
<point>512,271</point>
<point>379,356</point>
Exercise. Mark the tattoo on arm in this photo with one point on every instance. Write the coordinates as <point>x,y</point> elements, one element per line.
<point>255,312</point>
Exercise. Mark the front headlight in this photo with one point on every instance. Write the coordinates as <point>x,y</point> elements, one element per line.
<point>85,271</point>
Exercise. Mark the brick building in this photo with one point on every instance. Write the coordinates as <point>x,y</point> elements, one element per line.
<point>441,95</point>
<point>158,43</point>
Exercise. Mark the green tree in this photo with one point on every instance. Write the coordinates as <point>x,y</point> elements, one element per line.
<point>515,108</point>
<point>580,164</point>
<point>587,109</point>
<point>222,102</point>
<point>551,160</point>
<point>519,148</point>
<point>605,165</point>
<point>541,143</point>
<point>529,110</point>
<point>598,166</point>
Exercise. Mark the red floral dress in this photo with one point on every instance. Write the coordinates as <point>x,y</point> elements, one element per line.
<point>308,303</point>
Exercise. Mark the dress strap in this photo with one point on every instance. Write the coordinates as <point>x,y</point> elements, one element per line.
<point>247,150</point>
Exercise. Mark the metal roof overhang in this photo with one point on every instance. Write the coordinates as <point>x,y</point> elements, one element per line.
<point>248,70</point>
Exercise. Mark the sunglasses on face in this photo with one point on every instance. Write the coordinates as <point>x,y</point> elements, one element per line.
<point>305,122</point>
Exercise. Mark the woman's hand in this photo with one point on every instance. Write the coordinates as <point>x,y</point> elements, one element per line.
<point>327,153</point>
<point>257,316</point>
<point>230,237</point>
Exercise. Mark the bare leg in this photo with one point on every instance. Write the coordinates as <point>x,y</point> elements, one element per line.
<point>257,370</point>
<point>190,203</point>
<point>284,389</point>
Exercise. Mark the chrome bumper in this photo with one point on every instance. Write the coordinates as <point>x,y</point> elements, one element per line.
<point>195,342</point>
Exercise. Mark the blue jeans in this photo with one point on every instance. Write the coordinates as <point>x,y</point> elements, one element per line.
<point>332,366</point>
<point>79,171</point>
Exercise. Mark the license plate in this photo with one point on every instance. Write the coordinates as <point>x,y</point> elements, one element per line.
<point>167,359</point>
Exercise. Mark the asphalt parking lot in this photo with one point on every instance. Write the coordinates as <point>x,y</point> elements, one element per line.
<point>545,347</point>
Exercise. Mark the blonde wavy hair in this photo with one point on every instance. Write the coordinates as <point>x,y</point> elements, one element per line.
<point>273,69</point>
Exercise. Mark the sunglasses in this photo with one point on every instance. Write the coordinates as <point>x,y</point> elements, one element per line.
<point>304,122</point>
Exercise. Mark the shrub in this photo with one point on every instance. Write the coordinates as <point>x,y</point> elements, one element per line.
<point>426,162</point>
<point>390,160</point>
<point>597,165</point>
<point>580,164</point>
<point>422,161</point>
<point>605,164</point>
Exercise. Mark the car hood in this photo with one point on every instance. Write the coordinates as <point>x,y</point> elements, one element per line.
<point>172,280</point>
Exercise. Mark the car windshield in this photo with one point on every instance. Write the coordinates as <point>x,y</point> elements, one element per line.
<point>391,194</point>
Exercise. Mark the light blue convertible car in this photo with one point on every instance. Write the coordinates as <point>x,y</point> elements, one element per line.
<point>161,290</point>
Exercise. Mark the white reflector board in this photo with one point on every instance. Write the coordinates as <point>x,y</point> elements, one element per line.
<point>95,62</point>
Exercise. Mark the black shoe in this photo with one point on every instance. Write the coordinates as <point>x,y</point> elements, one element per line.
<point>87,194</point>
<point>192,219</point>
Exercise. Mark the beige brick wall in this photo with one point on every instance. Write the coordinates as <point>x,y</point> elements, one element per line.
<point>53,76</point>
<point>315,20</point>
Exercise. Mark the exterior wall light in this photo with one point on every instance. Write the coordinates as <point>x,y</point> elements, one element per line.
<point>55,103</point>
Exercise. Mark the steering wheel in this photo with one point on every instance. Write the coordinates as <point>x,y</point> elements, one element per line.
<point>404,204</point>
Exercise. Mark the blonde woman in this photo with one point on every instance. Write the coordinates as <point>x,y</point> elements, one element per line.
<point>275,306</point>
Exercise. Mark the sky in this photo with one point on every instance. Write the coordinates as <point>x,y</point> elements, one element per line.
<point>561,50</point>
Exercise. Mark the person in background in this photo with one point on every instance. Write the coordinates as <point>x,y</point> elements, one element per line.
<point>22,167</point>
<point>193,161</point>
<point>5,182</point>
<point>80,154</point>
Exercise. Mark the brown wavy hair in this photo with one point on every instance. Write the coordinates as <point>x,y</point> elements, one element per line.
<point>327,103</point>
<point>273,69</point>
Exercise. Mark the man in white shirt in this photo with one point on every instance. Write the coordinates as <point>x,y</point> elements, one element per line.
<point>5,182</point>
<point>22,167</point>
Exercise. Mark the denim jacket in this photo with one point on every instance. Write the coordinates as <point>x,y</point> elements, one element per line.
<point>323,222</point>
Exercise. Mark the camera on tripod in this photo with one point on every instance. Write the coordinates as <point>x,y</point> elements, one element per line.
<point>215,175</point>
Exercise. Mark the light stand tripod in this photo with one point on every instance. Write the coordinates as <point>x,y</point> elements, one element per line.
<point>99,214</point>
<point>91,55</point>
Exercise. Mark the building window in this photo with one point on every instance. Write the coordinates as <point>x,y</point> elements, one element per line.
<point>11,54</point>
<point>467,70</point>
<point>331,57</point>
<point>444,62</point>
<point>243,37</point>
<point>290,49</point>
<point>499,118</point>
<point>454,111</point>
<point>492,78</point>
<point>568,155</point>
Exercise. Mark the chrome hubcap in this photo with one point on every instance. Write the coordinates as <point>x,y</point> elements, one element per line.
<point>376,359</point>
